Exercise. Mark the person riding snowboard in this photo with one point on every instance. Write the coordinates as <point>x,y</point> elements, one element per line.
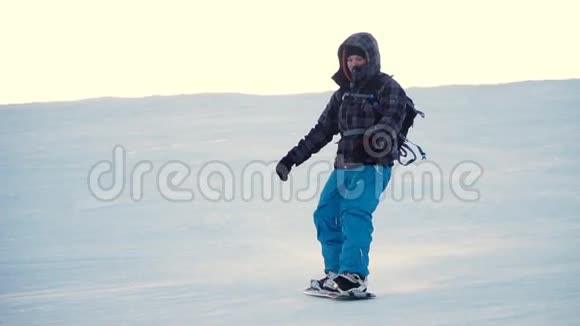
<point>368,111</point>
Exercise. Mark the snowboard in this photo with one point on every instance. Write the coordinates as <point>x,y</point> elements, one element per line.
<point>341,297</point>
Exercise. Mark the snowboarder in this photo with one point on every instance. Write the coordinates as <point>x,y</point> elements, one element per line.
<point>368,111</point>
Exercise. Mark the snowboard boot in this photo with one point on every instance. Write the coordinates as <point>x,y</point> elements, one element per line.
<point>347,283</point>
<point>326,283</point>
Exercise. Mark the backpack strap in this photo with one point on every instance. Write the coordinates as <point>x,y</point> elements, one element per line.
<point>354,132</point>
<point>406,149</point>
<point>371,98</point>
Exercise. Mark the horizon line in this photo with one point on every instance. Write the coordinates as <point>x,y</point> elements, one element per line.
<point>87,99</point>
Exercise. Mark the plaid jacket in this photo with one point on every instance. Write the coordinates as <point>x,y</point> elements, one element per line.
<point>368,111</point>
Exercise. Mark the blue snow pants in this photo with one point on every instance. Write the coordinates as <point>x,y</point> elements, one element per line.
<point>343,217</point>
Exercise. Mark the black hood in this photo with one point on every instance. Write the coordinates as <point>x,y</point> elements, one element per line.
<point>369,45</point>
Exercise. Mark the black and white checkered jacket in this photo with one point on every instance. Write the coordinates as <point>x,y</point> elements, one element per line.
<point>367,110</point>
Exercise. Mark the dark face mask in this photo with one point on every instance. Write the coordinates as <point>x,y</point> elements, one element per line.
<point>359,75</point>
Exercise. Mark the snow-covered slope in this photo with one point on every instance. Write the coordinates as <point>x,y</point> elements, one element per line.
<point>511,257</point>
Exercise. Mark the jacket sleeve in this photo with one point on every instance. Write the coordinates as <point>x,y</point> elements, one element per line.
<point>320,135</point>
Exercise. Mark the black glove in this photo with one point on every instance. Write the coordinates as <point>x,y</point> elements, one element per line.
<point>283,167</point>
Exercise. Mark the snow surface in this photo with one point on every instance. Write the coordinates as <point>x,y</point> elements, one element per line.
<point>66,258</point>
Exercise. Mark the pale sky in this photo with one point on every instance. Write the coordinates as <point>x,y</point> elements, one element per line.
<point>75,49</point>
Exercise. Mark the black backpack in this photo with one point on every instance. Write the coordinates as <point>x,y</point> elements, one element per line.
<point>404,142</point>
